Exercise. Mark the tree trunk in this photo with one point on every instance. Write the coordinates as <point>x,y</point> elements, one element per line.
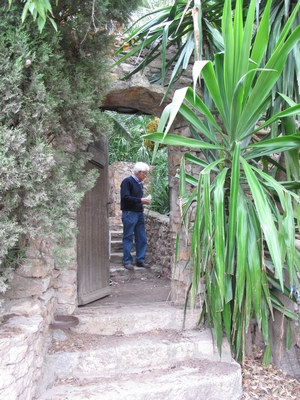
<point>282,358</point>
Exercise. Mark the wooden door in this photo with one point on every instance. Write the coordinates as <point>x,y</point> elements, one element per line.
<point>93,237</point>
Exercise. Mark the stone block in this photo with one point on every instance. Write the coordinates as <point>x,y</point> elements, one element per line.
<point>22,287</point>
<point>46,283</point>
<point>22,368</point>
<point>65,278</point>
<point>22,352</point>
<point>8,389</point>
<point>65,308</point>
<point>67,295</point>
<point>183,255</point>
<point>35,268</point>
<point>24,306</point>
<point>47,296</point>
<point>24,325</point>
<point>4,344</point>
<point>17,353</point>
<point>39,247</point>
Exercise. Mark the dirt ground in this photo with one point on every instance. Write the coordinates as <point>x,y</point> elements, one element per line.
<point>259,382</point>
<point>147,289</point>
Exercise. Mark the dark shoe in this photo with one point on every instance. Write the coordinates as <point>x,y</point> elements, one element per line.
<point>142,264</point>
<point>128,266</point>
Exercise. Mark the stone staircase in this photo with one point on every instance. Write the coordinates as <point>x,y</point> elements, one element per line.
<point>132,346</point>
<point>116,252</point>
<point>117,271</point>
<point>139,353</point>
<point>116,245</point>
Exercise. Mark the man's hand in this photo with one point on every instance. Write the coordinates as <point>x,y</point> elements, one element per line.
<point>144,200</point>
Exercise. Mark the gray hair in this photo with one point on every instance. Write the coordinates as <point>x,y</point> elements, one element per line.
<point>140,166</point>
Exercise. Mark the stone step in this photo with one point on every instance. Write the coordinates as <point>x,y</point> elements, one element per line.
<point>131,319</point>
<point>115,224</point>
<point>116,258</point>
<point>188,380</point>
<point>118,273</point>
<point>138,352</point>
<point>116,235</point>
<point>116,227</point>
<point>154,349</point>
<point>116,246</point>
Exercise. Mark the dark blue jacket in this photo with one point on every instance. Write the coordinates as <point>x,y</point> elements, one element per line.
<point>131,194</point>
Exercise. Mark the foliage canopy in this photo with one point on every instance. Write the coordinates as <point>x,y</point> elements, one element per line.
<point>101,12</point>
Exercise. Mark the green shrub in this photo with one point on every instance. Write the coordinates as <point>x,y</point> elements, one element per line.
<point>159,180</point>
<point>125,141</point>
<point>51,87</point>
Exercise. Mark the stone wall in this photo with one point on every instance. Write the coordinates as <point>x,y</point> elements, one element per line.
<point>42,283</point>
<point>159,251</point>
<point>116,173</point>
<point>38,291</point>
<point>182,271</point>
<point>23,348</point>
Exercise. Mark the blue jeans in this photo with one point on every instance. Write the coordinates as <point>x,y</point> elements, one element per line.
<point>134,223</point>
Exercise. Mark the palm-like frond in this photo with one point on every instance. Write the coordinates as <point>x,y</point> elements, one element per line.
<point>173,27</point>
<point>121,129</point>
<point>244,230</point>
<point>192,30</point>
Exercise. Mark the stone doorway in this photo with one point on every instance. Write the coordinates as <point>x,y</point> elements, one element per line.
<point>138,96</point>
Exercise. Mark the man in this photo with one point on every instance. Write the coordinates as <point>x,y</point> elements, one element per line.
<point>132,206</point>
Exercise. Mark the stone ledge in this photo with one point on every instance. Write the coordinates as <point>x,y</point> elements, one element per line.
<point>22,353</point>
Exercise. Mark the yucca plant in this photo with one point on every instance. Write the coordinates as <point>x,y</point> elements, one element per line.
<point>172,26</point>
<point>245,221</point>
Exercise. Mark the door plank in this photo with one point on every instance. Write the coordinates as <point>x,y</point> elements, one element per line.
<point>93,239</point>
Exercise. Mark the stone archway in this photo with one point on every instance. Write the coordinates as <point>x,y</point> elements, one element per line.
<point>135,96</point>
